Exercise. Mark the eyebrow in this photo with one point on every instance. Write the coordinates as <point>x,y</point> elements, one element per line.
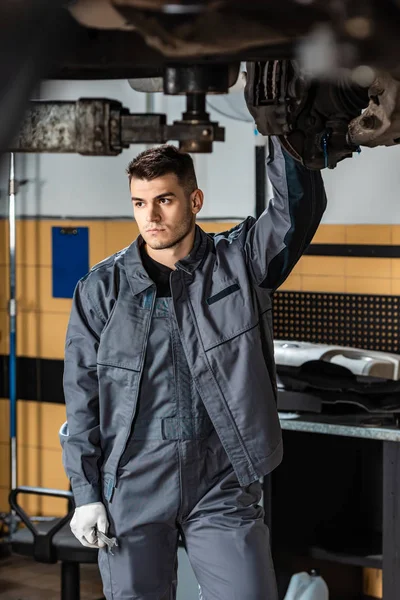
<point>165,195</point>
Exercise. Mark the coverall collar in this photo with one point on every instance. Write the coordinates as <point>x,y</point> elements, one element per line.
<point>137,275</point>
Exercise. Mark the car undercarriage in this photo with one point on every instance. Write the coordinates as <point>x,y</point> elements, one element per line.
<point>323,76</point>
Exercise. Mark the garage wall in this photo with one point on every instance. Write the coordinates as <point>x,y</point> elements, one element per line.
<point>365,189</point>
<point>349,275</point>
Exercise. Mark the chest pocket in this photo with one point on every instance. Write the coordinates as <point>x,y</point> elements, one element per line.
<point>226,313</point>
<point>123,339</point>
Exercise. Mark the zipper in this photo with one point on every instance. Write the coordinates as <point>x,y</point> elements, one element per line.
<point>227,411</point>
<point>113,482</point>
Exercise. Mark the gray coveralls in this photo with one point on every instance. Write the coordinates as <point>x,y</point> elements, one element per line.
<point>138,437</point>
<point>175,479</point>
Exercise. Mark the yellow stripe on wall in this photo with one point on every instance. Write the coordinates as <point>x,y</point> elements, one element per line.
<point>349,275</point>
<point>39,453</point>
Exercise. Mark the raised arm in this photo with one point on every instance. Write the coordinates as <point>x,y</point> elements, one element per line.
<point>279,237</point>
<point>80,437</point>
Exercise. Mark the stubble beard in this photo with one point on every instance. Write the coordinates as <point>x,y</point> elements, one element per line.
<point>182,231</point>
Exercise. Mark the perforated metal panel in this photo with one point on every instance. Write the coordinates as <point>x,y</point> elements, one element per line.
<point>356,320</point>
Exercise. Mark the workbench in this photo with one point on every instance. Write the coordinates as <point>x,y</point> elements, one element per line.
<point>343,473</point>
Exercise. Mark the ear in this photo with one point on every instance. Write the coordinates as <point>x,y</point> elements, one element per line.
<point>196,201</point>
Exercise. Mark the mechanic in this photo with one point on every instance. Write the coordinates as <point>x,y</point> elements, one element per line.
<point>170,384</point>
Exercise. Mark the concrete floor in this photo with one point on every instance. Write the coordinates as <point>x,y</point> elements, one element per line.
<point>22,578</point>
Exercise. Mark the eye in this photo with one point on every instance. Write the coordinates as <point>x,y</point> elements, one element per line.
<point>138,204</point>
<point>164,201</point>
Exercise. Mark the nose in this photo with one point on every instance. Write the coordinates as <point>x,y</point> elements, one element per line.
<point>153,214</point>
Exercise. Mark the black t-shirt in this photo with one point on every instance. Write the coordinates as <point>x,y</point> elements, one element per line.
<point>158,273</point>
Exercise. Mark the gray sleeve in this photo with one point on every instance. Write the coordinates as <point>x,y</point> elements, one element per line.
<point>80,436</point>
<point>279,237</point>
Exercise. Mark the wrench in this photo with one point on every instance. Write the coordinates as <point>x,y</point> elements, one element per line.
<point>110,542</point>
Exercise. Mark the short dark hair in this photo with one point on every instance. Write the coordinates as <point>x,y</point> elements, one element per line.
<point>163,160</point>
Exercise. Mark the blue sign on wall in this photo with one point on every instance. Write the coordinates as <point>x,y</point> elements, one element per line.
<point>70,258</point>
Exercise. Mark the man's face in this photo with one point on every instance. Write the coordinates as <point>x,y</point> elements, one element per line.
<point>163,211</point>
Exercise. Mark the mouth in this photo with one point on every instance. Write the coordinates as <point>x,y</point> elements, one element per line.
<point>154,230</point>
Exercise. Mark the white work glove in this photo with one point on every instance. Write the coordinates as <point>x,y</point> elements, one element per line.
<point>85,521</point>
